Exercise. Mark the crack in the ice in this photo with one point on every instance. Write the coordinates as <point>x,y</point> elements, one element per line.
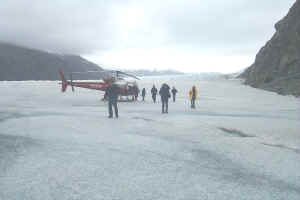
<point>143,118</point>
<point>235,132</point>
<point>242,115</point>
<point>281,146</point>
<point>4,116</point>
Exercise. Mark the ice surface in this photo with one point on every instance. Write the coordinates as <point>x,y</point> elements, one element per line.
<point>239,143</point>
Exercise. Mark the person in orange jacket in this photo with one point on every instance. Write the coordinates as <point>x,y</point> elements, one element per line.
<point>193,96</point>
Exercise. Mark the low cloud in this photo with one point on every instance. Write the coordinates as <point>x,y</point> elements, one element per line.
<point>97,26</point>
<point>59,26</point>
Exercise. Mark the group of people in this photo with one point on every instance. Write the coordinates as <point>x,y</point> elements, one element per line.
<point>164,93</point>
<point>113,92</point>
<point>154,92</point>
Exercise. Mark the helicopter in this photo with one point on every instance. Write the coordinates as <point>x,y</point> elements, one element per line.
<point>127,88</point>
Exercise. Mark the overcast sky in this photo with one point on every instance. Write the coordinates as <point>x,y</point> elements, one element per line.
<point>185,35</point>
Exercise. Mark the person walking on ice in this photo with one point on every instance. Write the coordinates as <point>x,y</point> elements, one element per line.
<point>164,93</point>
<point>193,96</point>
<point>174,91</point>
<point>143,93</point>
<point>154,92</point>
<point>113,92</point>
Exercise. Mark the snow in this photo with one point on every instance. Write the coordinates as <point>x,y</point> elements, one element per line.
<point>239,143</point>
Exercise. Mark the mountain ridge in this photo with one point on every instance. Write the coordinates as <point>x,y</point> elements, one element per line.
<point>277,64</point>
<point>18,63</point>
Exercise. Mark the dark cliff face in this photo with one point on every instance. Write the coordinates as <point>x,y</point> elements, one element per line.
<point>277,64</point>
<point>19,63</point>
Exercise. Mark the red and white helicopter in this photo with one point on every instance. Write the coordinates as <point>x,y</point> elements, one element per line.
<point>127,88</point>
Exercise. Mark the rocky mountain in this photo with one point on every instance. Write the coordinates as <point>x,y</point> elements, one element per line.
<point>20,63</point>
<point>277,64</point>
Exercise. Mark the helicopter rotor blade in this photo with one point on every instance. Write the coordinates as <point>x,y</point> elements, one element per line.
<point>130,75</point>
<point>103,71</point>
<point>108,72</point>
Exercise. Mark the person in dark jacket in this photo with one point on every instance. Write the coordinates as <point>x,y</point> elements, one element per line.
<point>143,93</point>
<point>113,92</point>
<point>174,91</point>
<point>154,92</point>
<point>136,92</point>
<point>164,93</point>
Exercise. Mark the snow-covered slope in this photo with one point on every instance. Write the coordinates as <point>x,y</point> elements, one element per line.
<point>240,143</point>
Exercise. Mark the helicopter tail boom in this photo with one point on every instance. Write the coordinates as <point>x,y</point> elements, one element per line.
<point>64,83</point>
